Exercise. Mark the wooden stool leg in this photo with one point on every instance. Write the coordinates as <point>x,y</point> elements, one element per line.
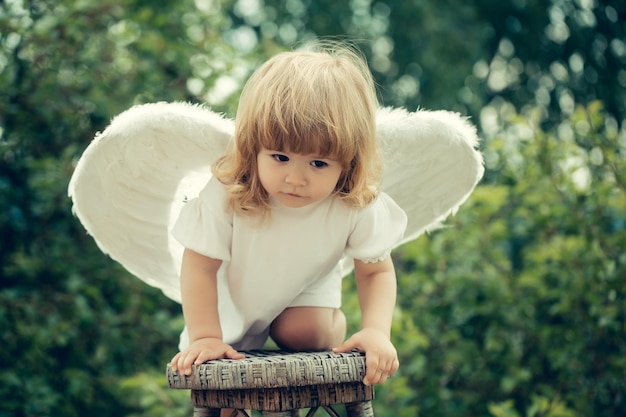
<point>360,409</point>
<point>206,412</point>
<point>330,410</point>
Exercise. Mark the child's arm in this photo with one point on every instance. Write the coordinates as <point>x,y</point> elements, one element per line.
<point>198,279</point>
<point>376,285</point>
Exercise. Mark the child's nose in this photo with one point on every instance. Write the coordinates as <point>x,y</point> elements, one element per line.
<point>296,177</point>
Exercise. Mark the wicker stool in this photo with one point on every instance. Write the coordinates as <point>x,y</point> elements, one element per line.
<point>279,384</point>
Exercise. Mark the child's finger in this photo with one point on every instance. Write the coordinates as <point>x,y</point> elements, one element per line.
<point>187,361</point>
<point>203,356</point>
<point>378,370</point>
<point>371,369</point>
<point>347,346</point>
<point>395,365</point>
<point>233,354</point>
<point>174,362</point>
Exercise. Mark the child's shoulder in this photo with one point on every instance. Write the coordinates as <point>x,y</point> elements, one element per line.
<point>382,208</point>
<point>382,200</point>
<point>214,186</point>
<point>214,193</point>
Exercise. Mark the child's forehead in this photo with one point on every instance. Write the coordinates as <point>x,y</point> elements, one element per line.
<point>308,142</point>
<point>305,154</point>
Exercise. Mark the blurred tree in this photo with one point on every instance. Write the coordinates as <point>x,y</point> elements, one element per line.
<point>458,55</point>
<point>515,309</point>
<point>72,321</point>
<point>578,54</point>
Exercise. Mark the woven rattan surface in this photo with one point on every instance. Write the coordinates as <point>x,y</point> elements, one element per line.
<point>284,398</point>
<point>273,369</point>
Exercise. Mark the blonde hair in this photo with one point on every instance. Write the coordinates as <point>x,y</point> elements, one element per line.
<point>320,100</point>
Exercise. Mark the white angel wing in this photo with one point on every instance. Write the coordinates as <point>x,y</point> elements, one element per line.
<point>431,164</point>
<point>133,178</point>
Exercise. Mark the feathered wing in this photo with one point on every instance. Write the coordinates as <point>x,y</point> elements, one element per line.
<point>431,164</point>
<point>132,180</point>
<point>134,177</point>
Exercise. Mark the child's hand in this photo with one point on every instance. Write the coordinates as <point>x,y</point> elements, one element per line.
<point>381,358</point>
<point>200,351</point>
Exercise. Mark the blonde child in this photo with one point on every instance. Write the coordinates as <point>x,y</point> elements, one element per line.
<point>294,197</point>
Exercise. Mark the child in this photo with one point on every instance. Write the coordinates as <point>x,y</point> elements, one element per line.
<point>294,196</point>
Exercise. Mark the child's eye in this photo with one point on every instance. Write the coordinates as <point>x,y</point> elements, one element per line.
<point>319,164</point>
<point>280,157</point>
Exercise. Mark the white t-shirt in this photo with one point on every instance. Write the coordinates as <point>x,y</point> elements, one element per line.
<point>293,258</point>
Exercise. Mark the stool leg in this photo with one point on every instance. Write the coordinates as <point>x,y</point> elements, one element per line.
<point>206,412</point>
<point>330,410</point>
<point>360,409</point>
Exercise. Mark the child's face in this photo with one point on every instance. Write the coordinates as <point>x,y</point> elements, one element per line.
<point>297,180</point>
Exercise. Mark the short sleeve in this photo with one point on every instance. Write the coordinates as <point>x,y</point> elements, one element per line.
<point>204,224</point>
<point>378,229</point>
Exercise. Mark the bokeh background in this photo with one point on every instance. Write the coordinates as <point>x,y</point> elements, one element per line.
<point>515,309</point>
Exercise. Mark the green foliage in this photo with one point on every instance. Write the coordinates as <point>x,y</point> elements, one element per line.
<point>147,394</point>
<point>73,323</point>
<point>515,308</point>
